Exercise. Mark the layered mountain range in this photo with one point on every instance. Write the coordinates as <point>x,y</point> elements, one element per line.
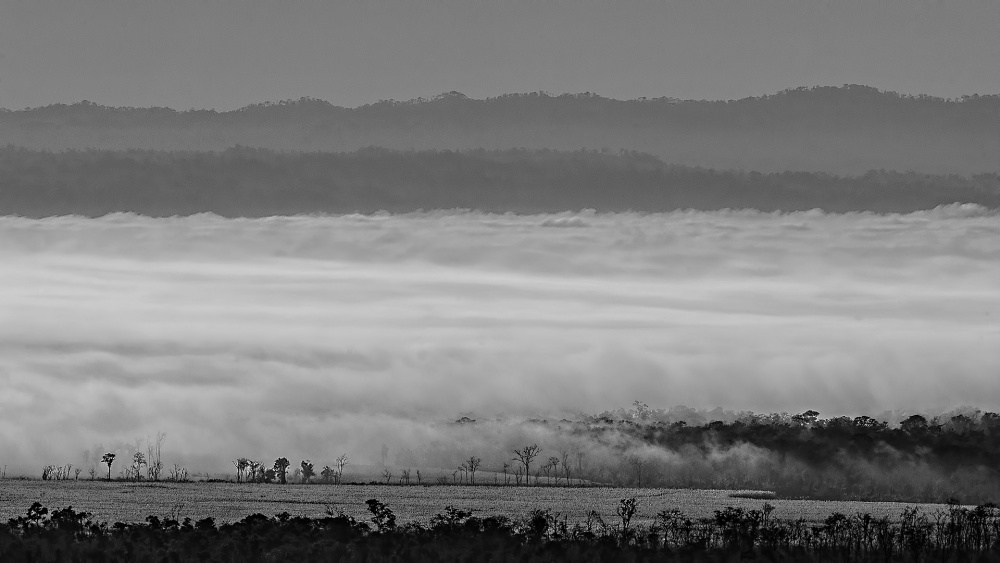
<point>850,148</point>
<point>836,130</point>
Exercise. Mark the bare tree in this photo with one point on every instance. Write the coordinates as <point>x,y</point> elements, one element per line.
<point>154,450</point>
<point>241,467</point>
<point>546,468</point>
<point>405,478</point>
<point>506,477</point>
<point>554,463</point>
<point>387,475</point>
<point>473,464</point>
<point>178,474</point>
<point>76,473</point>
<point>341,462</point>
<point>626,510</point>
<point>565,465</point>
<point>108,458</point>
<point>636,464</point>
<point>418,476</point>
<point>525,455</point>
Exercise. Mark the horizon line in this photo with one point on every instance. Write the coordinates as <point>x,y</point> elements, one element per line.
<point>540,93</point>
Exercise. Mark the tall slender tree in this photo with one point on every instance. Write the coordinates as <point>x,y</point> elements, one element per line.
<point>473,464</point>
<point>108,458</point>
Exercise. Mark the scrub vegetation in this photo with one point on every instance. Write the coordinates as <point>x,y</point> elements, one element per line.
<point>954,533</point>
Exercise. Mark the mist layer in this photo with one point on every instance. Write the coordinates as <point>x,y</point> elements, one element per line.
<point>308,336</point>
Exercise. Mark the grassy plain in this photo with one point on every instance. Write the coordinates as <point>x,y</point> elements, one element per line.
<point>227,502</point>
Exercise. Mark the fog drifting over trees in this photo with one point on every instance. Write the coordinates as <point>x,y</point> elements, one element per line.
<point>323,335</point>
<point>247,182</point>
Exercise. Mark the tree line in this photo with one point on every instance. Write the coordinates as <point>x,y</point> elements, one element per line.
<point>842,130</point>
<point>804,455</point>
<point>246,182</point>
<point>141,465</point>
<point>916,458</point>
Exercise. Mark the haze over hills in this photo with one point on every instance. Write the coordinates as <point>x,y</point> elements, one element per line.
<point>249,182</point>
<point>836,130</point>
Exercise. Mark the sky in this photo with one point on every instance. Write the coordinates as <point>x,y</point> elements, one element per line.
<point>225,54</point>
<point>308,337</point>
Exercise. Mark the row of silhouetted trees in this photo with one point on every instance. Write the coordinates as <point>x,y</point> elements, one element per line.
<point>911,458</point>
<point>915,458</point>
<point>254,182</point>
<point>842,130</point>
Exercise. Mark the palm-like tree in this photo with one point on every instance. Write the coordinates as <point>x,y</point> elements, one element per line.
<point>108,458</point>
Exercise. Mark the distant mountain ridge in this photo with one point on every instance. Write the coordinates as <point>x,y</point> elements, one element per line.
<point>837,130</point>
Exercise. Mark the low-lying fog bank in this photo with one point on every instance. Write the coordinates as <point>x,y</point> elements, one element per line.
<point>307,337</point>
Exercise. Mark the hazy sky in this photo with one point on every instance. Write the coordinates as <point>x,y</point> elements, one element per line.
<point>227,53</point>
<point>243,336</point>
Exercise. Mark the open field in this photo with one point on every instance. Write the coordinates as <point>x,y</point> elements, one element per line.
<point>228,502</point>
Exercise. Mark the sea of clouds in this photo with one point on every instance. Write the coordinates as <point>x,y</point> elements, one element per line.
<point>306,336</point>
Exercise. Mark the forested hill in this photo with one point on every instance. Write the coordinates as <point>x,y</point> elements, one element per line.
<point>837,130</point>
<point>256,182</point>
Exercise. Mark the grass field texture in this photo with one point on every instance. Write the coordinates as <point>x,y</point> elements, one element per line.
<point>228,502</point>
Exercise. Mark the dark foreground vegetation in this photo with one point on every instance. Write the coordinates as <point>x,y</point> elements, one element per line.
<point>955,534</point>
<point>244,182</point>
